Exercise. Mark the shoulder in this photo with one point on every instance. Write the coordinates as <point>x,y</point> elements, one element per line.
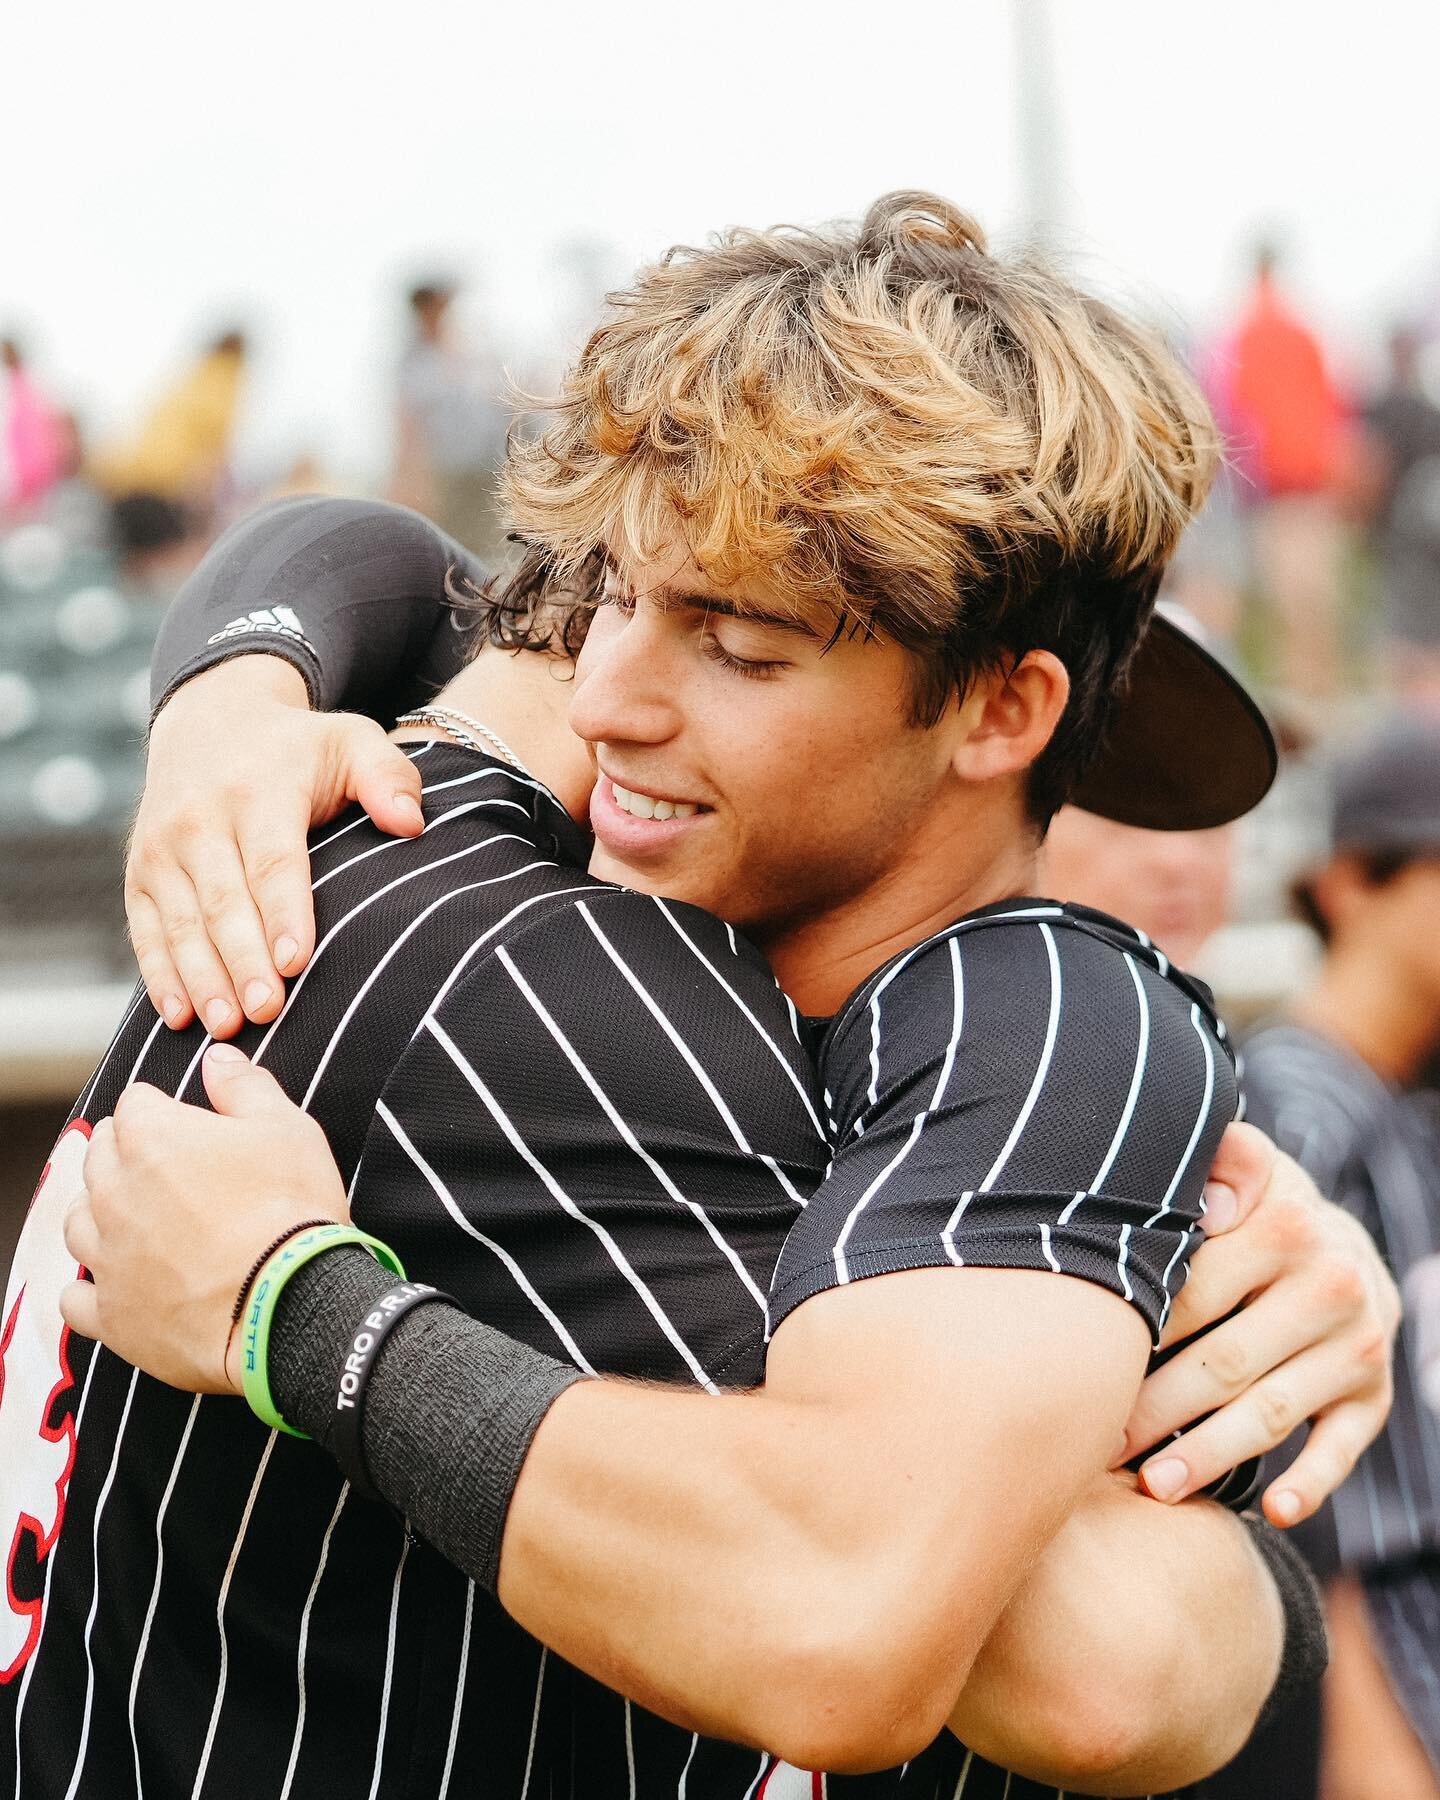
<point>649,934</point>
<point>641,961</point>
<point>1025,989</point>
<point>654,1006</point>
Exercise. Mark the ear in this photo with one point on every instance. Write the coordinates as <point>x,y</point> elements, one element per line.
<point>1009,716</point>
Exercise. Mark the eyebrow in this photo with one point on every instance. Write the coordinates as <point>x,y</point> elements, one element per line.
<point>727,609</point>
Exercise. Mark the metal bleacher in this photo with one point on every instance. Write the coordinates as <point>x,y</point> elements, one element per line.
<point>74,661</point>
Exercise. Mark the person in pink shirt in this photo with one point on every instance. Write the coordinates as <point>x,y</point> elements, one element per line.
<point>33,435</point>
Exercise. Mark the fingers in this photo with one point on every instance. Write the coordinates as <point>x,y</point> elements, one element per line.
<point>82,1235</point>
<point>1222,1274</point>
<point>205,980</point>
<point>101,1158</point>
<point>236,930</point>
<point>276,861</point>
<point>1259,1420</point>
<point>386,783</point>
<point>1239,1175</point>
<point>1331,1451</point>
<point>238,1089</point>
<point>1214,1369</point>
<point>80,1309</point>
<point>157,968</point>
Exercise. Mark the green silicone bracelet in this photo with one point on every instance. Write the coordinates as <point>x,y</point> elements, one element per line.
<point>265,1292</point>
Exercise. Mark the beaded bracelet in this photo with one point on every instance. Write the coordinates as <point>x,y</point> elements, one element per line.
<point>270,1283</point>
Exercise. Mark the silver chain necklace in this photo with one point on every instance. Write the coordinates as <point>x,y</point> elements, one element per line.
<point>467,731</point>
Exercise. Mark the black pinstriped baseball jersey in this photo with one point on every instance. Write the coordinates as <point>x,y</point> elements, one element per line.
<point>1376,1151</point>
<point>589,1115</point>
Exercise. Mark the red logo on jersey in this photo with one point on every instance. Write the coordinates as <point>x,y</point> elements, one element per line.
<point>37,1452</point>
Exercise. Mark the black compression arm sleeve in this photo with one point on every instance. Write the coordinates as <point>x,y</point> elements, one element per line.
<point>351,592</point>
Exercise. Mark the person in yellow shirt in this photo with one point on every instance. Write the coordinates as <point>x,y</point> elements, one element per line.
<point>182,448</point>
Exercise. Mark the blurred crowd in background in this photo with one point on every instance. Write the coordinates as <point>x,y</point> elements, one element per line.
<point>1315,570</point>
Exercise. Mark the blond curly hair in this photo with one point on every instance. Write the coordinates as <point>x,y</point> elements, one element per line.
<point>967,455</point>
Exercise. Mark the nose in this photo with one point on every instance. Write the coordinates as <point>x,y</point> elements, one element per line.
<point>626,679</point>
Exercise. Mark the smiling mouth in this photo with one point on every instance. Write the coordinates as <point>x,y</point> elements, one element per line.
<point>647,806</point>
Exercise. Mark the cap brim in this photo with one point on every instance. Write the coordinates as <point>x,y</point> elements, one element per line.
<point>1188,750</point>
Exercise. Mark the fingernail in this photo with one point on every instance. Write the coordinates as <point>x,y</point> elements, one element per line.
<point>1286,1506</point>
<point>409,804</point>
<point>227,1056</point>
<point>173,1008</point>
<point>286,950</point>
<point>1221,1206</point>
<point>217,1014</point>
<point>1164,1479</point>
<point>256,994</point>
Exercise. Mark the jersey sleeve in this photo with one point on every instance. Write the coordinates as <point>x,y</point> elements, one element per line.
<point>1025,1095</point>
<point>352,593</point>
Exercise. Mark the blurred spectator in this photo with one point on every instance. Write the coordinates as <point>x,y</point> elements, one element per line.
<point>1172,885</point>
<point>74,506</point>
<point>1400,462</point>
<point>450,424</point>
<point>1422,1298</point>
<point>1284,422</point>
<point>159,541</point>
<point>182,450</point>
<point>1330,1085</point>
<point>31,445</point>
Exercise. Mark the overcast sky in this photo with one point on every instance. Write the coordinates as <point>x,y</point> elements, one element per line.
<point>170,167</point>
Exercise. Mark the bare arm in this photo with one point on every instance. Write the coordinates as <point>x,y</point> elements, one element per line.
<point>1138,1653</point>
<point>855,1529</point>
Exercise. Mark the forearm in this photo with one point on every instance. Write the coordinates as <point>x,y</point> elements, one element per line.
<point>363,587</point>
<point>640,1522</point>
<point>639,1511</point>
<point>1141,1649</point>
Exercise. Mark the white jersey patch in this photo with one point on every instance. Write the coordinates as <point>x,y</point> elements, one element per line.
<point>37,1452</point>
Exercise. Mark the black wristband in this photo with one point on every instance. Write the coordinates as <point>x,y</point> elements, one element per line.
<point>347,1441</point>
<point>1305,1651</point>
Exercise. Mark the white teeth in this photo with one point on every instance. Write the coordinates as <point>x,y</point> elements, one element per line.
<point>642,806</point>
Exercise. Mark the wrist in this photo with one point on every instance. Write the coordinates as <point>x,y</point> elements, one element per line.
<point>234,1372</point>
<point>255,677</point>
<point>296,1252</point>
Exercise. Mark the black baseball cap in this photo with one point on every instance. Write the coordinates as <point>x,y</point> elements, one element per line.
<point>1385,793</point>
<point>1188,748</point>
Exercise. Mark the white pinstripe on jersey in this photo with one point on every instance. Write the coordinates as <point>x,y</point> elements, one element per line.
<point>947,1069</point>
<point>568,1203</point>
<point>612,1113</point>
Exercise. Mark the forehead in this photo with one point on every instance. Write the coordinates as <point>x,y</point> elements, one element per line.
<point>673,578</point>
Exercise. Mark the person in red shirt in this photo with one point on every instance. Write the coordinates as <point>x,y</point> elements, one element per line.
<point>1285,422</point>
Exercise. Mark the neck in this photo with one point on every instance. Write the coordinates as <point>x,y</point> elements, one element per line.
<point>523,696</point>
<point>820,961</point>
<point>1375,1011</point>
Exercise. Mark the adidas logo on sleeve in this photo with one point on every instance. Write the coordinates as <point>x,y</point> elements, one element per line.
<point>267,621</point>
